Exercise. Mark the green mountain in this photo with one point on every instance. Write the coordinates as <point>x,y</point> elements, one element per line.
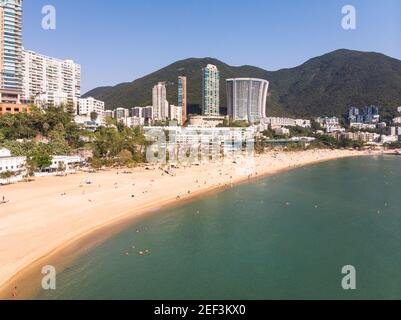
<point>324,85</point>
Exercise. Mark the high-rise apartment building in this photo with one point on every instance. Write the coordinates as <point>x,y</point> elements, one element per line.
<point>147,113</point>
<point>182,97</point>
<point>160,103</point>
<point>51,81</point>
<point>121,113</point>
<point>89,105</point>
<point>210,90</point>
<point>365,115</point>
<point>142,112</point>
<point>10,51</point>
<point>109,113</point>
<point>176,114</point>
<point>247,99</point>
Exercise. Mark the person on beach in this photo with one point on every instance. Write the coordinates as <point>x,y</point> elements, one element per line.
<point>14,292</point>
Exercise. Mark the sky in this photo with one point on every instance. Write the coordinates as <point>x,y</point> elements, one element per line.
<point>121,40</point>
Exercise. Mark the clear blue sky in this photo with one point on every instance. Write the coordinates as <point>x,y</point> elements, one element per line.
<point>121,40</point>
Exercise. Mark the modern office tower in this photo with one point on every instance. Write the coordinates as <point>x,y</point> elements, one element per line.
<point>10,52</point>
<point>210,90</point>
<point>247,98</point>
<point>176,114</point>
<point>160,104</point>
<point>182,97</point>
<point>51,81</point>
<point>89,105</point>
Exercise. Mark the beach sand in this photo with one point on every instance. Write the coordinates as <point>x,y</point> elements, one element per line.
<point>46,215</point>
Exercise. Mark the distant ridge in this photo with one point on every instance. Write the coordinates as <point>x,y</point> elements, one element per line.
<point>324,85</point>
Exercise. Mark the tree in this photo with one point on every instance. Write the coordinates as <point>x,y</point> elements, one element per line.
<point>31,168</point>
<point>394,145</point>
<point>315,126</point>
<point>259,145</point>
<point>41,160</point>
<point>61,167</point>
<point>96,163</point>
<point>124,158</point>
<point>93,116</point>
<point>7,175</point>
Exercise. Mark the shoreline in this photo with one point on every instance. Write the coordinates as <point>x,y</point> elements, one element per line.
<point>69,246</point>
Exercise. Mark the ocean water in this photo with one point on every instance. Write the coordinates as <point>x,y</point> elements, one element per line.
<point>282,237</point>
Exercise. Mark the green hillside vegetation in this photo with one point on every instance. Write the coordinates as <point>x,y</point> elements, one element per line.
<point>326,85</point>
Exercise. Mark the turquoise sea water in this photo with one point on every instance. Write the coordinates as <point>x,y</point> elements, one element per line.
<point>282,237</point>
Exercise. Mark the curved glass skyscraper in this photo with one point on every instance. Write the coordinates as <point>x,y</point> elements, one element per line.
<point>247,99</point>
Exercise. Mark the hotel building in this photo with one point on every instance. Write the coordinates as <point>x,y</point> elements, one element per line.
<point>247,99</point>
<point>182,97</point>
<point>51,81</point>
<point>210,91</point>
<point>11,57</point>
<point>160,103</point>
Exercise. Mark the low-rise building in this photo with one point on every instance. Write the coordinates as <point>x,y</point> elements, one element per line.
<point>133,121</point>
<point>388,139</point>
<point>8,163</point>
<point>206,121</point>
<point>282,131</point>
<point>285,122</point>
<point>65,164</point>
<point>362,126</point>
<point>361,136</point>
<point>397,120</point>
<point>90,123</point>
<point>382,125</point>
<point>303,123</point>
<point>279,122</point>
<point>330,124</point>
<point>14,108</point>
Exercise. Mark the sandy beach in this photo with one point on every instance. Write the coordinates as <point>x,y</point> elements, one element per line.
<point>52,212</point>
